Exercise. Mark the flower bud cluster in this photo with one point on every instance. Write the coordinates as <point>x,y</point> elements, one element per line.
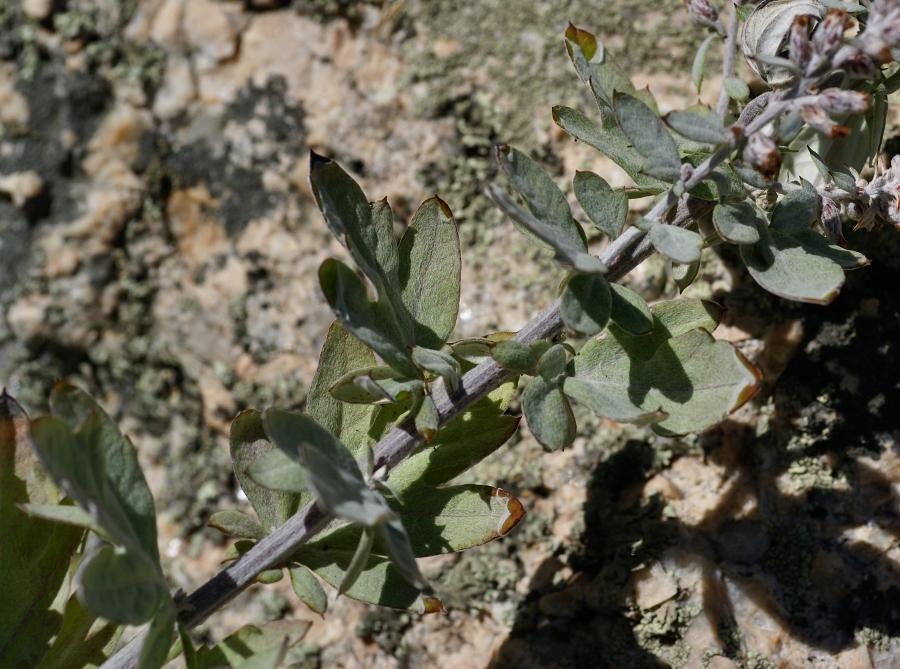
<point>882,31</point>
<point>702,13</point>
<point>834,101</point>
<point>762,153</point>
<point>878,199</point>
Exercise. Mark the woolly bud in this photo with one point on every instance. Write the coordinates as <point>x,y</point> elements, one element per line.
<point>829,34</point>
<point>832,221</point>
<point>817,119</point>
<point>800,48</point>
<point>702,13</point>
<point>842,101</point>
<point>876,47</point>
<point>762,152</point>
<point>857,64</point>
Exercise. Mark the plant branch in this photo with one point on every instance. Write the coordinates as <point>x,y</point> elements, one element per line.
<point>728,61</point>
<point>621,256</point>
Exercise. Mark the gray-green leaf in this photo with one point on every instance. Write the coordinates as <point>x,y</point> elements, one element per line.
<point>606,207</point>
<point>308,589</point>
<point>586,302</point>
<point>677,244</point>
<point>430,273</point>
<point>549,415</point>
<point>738,223</point>
<point>236,524</point>
<point>649,136</point>
<point>543,198</point>
<point>374,323</point>
<point>707,129</point>
<point>330,468</point>
<point>514,356</point>
<point>629,310</point>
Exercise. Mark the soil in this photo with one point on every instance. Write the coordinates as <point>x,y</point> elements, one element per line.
<point>159,247</point>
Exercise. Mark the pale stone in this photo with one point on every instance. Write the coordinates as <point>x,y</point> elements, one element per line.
<point>21,186</point>
<point>13,105</point>
<point>165,26</point>
<point>721,662</point>
<point>855,658</point>
<point>208,32</point>
<point>653,586</point>
<point>37,9</point>
<point>26,316</point>
<point>756,615</point>
<point>177,91</point>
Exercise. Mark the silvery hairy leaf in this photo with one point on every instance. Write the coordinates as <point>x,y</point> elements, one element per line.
<point>765,35</point>
<point>650,137</point>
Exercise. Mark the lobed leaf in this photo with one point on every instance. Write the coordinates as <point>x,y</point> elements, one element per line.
<point>611,142</point>
<point>567,253</point>
<point>250,641</point>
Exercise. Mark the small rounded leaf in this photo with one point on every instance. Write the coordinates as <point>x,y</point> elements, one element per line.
<point>586,303</point>
<point>514,356</point>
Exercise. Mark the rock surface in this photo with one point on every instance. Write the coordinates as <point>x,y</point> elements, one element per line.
<point>159,246</point>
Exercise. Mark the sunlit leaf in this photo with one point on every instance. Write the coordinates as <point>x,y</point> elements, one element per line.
<point>677,244</point>
<point>308,589</point>
<point>437,362</point>
<point>429,273</point>
<point>797,211</point>
<point>330,468</point>
<point>34,553</point>
<point>610,141</point>
<point>649,136</point>
<point>707,129</point>
<point>392,536</point>
<point>375,384</point>
<point>548,413</point>
<point>543,198</point>
<point>607,208</point>
<point>568,254</point>
<point>250,641</point>
<point>236,524</point>
<point>426,417</point>
<point>699,66</point>
<point>514,356</point>
<point>677,377</point>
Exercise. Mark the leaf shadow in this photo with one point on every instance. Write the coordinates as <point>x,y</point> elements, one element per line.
<point>798,545</point>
